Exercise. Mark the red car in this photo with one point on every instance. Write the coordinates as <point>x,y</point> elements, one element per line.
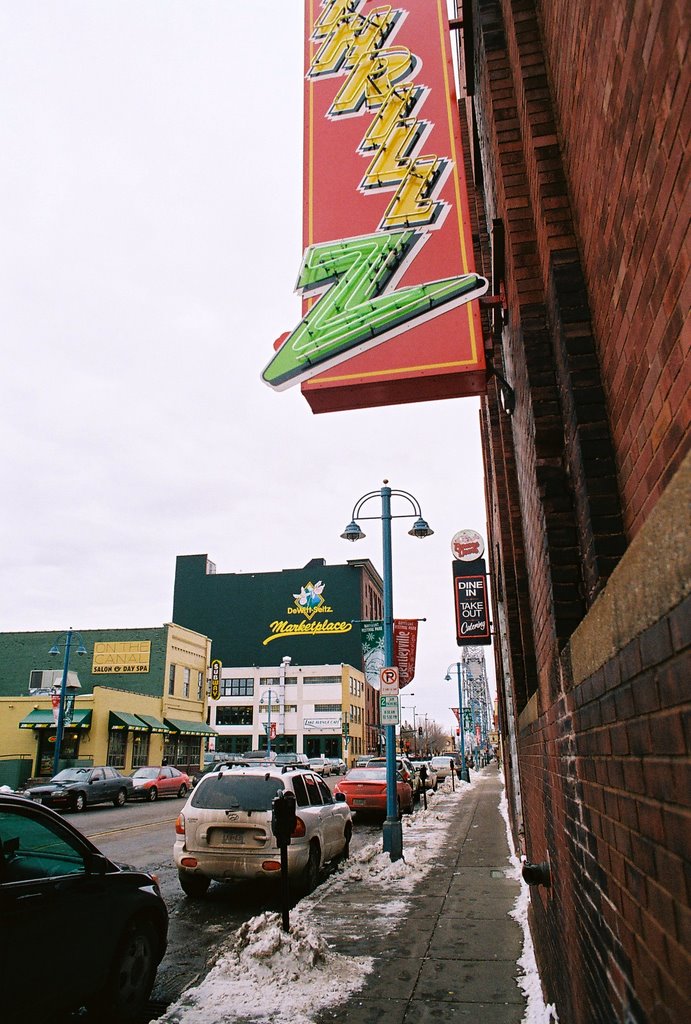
<point>152,782</point>
<point>365,791</point>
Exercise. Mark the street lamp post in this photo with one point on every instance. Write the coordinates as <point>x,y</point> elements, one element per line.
<point>270,694</point>
<point>465,775</point>
<point>66,639</point>
<point>392,831</point>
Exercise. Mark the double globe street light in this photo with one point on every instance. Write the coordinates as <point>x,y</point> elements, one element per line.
<point>66,639</point>
<point>392,830</point>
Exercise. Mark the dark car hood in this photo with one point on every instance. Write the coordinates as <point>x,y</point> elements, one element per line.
<point>50,787</point>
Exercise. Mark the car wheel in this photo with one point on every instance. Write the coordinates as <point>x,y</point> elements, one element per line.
<point>310,873</point>
<point>152,794</point>
<point>120,799</point>
<point>348,836</point>
<point>183,790</point>
<point>193,886</point>
<point>131,976</point>
<point>78,802</point>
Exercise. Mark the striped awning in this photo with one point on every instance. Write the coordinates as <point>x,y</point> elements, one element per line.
<point>186,727</point>
<point>43,719</point>
<point>124,720</point>
<point>154,724</point>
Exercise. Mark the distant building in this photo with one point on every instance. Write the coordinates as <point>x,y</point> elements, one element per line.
<point>136,697</point>
<point>311,617</point>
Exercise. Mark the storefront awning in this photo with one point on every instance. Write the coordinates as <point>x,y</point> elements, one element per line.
<point>40,719</point>
<point>124,720</point>
<point>186,727</point>
<point>154,724</point>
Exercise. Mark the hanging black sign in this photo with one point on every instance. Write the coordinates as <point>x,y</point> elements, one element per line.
<point>471,603</point>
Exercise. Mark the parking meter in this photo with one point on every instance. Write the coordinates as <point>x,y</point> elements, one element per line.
<point>423,780</point>
<point>283,817</point>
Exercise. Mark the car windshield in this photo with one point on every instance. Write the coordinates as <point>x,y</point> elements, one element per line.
<point>70,775</point>
<point>237,792</point>
<point>146,773</point>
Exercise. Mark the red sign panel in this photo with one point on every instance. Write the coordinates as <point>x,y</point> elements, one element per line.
<point>387,274</point>
<point>405,649</point>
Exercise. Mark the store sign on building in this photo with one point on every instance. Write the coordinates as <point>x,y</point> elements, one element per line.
<point>470,603</point>
<point>216,668</point>
<point>387,275</point>
<point>325,723</point>
<point>122,657</point>
<point>307,605</point>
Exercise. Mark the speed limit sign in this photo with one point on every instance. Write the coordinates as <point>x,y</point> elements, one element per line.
<point>388,681</point>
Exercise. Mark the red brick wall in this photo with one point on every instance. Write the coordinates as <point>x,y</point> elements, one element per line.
<point>619,73</point>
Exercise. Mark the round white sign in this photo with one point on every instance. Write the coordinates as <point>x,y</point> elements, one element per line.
<point>467,546</point>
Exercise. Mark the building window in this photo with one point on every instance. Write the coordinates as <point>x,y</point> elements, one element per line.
<point>237,687</point>
<point>234,716</point>
<point>140,750</point>
<point>322,680</point>
<point>171,680</point>
<point>200,685</point>
<point>327,707</point>
<point>185,682</point>
<point>117,744</point>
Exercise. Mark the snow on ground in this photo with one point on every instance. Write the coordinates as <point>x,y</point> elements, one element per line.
<point>264,975</point>
<point>529,980</point>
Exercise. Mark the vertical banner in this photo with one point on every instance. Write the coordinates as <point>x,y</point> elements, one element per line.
<point>405,649</point>
<point>372,634</point>
<point>471,603</point>
<point>387,275</point>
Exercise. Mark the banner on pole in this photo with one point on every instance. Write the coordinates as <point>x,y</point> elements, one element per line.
<point>405,649</point>
<point>372,636</point>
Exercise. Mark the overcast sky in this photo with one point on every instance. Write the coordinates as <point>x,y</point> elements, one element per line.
<point>150,215</point>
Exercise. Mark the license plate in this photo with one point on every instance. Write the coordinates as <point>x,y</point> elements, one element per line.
<point>359,802</point>
<point>233,835</point>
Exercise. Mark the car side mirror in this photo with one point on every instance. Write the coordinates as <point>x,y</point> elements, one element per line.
<point>340,798</point>
<point>96,864</point>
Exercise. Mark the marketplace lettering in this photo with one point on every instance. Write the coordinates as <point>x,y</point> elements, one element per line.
<point>284,628</point>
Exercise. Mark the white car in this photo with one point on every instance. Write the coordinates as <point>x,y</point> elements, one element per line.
<point>223,832</point>
<point>321,765</point>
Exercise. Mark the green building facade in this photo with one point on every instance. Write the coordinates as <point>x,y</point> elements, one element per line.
<point>311,614</point>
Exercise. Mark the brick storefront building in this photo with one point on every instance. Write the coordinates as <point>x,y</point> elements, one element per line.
<point>576,121</point>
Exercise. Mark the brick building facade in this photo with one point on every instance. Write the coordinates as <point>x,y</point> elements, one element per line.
<point>576,123</point>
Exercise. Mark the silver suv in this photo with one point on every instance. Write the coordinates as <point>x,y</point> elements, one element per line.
<point>223,832</point>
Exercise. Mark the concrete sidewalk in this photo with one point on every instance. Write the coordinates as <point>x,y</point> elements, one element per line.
<point>450,953</point>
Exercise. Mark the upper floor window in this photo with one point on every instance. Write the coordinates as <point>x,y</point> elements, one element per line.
<point>200,685</point>
<point>171,680</point>
<point>237,687</point>
<point>185,682</point>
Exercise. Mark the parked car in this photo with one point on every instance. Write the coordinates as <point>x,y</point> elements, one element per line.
<point>73,789</point>
<point>365,791</point>
<point>406,769</point>
<point>102,927</point>
<point>224,830</point>
<point>154,781</point>
<point>293,760</point>
<point>338,765</point>
<point>431,777</point>
<point>362,762</point>
<point>220,760</point>
<point>321,765</point>
<point>442,765</point>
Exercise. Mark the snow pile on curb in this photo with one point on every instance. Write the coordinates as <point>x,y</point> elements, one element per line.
<point>267,975</point>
